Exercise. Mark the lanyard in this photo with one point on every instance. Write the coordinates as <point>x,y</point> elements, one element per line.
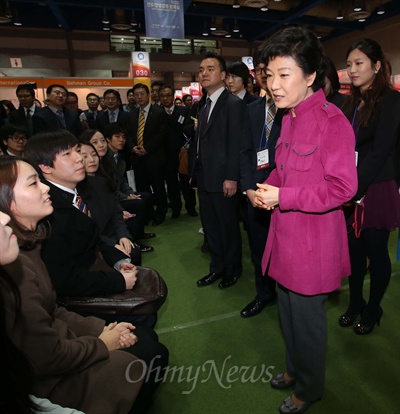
<point>263,136</point>
<point>353,122</point>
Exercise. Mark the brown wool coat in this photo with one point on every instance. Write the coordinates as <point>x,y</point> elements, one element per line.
<point>72,366</point>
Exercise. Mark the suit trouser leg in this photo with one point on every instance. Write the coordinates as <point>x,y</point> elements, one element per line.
<point>157,181</point>
<point>221,226</point>
<point>174,189</point>
<point>189,194</point>
<point>304,327</point>
<point>257,229</point>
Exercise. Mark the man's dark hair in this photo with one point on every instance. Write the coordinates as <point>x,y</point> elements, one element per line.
<point>141,86</point>
<point>73,94</point>
<point>112,91</point>
<point>42,148</point>
<point>25,87</point>
<point>167,87</point>
<point>185,97</point>
<point>113,129</point>
<point>9,129</point>
<point>55,85</point>
<point>213,55</point>
<point>157,83</point>
<point>92,94</point>
<point>129,91</point>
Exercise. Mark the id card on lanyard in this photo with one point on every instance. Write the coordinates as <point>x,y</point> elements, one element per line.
<point>355,132</point>
<point>262,153</point>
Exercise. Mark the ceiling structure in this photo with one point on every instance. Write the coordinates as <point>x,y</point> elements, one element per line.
<point>255,19</point>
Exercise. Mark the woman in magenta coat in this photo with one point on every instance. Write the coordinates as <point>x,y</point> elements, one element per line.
<point>306,251</point>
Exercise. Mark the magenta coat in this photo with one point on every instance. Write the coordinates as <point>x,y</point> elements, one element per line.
<point>307,247</point>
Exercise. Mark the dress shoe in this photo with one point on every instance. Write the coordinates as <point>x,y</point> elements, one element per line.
<point>148,235</point>
<point>365,327</point>
<point>228,281</point>
<point>255,307</point>
<point>175,215</point>
<point>349,317</point>
<point>289,406</point>
<point>279,382</point>
<point>208,279</point>
<point>145,249</point>
<point>192,213</point>
<point>158,221</point>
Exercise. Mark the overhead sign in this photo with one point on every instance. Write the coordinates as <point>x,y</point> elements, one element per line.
<point>164,19</point>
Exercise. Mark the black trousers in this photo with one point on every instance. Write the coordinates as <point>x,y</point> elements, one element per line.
<point>189,194</point>
<point>258,221</point>
<point>220,219</point>
<point>304,326</point>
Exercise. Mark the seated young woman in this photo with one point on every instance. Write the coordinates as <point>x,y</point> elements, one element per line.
<point>109,218</point>
<point>137,207</point>
<point>76,361</point>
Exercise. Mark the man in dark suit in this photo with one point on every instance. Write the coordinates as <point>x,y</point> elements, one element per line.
<point>236,82</point>
<point>114,111</point>
<point>92,101</point>
<point>55,115</point>
<point>71,251</point>
<point>146,139</point>
<point>176,116</point>
<point>218,138</point>
<point>27,108</point>
<point>262,128</point>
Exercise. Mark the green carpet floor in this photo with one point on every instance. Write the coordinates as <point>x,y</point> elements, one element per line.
<point>220,362</point>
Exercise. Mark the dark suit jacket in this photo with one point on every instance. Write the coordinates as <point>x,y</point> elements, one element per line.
<point>175,138</point>
<point>102,119</point>
<point>18,117</point>
<point>249,98</point>
<point>219,146</point>
<point>153,136</point>
<point>90,118</point>
<point>71,250</point>
<point>46,118</point>
<point>253,128</point>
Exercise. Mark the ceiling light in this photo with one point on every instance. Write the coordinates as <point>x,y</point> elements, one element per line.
<point>205,30</point>
<point>264,9</point>
<point>236,4</point>
<point>228,35</point>
<point>381,10</point>
<point>340,13</point>
<point>213,26</point>
<point>358,6</point>
<point>120,21</point>
<point>106,28</point>
<point>17,20</point>
<point>133,20</point>
<point>105,19</point>
<point>361,20</point>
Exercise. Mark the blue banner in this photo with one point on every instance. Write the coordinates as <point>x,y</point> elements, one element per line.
<point>164,18</point>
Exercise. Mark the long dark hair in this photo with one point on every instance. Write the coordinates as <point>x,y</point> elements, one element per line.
<point>8,177</point>
<point>380,84</point>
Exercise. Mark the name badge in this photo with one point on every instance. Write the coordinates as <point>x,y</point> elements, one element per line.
<point>262,159</point>
<point>356,158</point>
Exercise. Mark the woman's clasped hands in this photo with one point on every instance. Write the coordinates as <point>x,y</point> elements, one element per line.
<point>266,196</point>
<point>118,336</point>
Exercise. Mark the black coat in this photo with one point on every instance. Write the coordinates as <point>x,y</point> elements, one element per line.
<point>71,250</point>
<point>46,118</point>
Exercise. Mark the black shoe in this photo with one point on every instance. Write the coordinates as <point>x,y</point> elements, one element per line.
<point>143,248</point>
<point>158,221</point>
<point>288,406</point>
<point>228,281</point>
<point>175,215</point>
<point>192,213</point>
<point>365,327</point>
<point>349,317</point>
<point>208,279</point>
<point>148,235</point>
<point>255,307</point>
<point>279,382</point>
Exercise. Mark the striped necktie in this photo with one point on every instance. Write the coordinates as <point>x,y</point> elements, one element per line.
<point>140,129</point>
<point>112,117</point>
<point>269,121</point>
<point>61,118</point>
<point>82,206</point>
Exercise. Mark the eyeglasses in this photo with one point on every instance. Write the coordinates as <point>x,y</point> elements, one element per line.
<point>17,138</point>
<point>166,95</point>
<point>27,96</point>
<point>59,93</point>
<point>258,70</point>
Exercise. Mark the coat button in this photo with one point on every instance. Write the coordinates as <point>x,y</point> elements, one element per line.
<point>286,144</point>
<point>326,104</point>
<point>281,166</point>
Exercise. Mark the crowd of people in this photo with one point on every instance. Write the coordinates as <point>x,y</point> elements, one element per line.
<point>312,174</point>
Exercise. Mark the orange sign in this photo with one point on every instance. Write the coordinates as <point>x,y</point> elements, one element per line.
<point>69,82</point>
